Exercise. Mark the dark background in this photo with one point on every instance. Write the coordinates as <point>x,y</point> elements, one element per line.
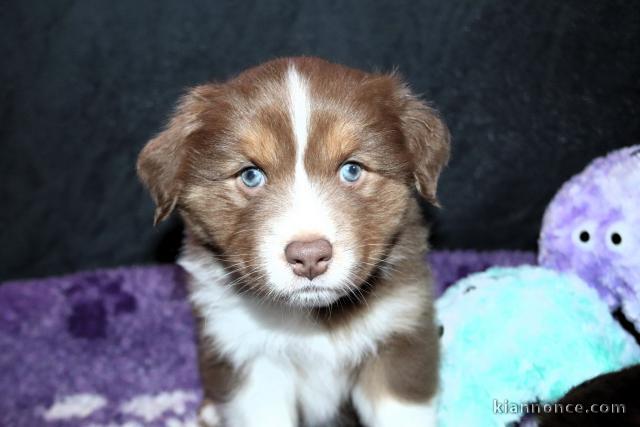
<point>532,91</point>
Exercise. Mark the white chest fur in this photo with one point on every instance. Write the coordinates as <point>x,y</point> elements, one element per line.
<point>288,355</point>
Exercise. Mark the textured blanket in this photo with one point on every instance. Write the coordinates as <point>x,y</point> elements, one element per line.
<point>116,347</point>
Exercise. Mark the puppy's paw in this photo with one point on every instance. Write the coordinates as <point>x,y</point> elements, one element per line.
<point>209,415</point>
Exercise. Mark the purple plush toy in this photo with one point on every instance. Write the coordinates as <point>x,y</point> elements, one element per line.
<point>592,228</point>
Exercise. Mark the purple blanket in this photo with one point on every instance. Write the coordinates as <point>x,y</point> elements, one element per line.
<point>116,347</point>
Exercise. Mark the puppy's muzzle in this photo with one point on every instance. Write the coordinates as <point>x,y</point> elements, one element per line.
<point>309,259</point>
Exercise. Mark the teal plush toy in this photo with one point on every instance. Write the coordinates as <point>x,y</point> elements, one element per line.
<point>514,336</point>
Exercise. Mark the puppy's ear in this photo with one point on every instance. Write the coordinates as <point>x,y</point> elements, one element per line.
<point>161,161</point>
<point>428,140</point>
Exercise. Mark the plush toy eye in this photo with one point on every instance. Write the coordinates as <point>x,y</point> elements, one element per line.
<point>617,237</point>
<point>252,177</point>
<point>583,236</point>
<point>350,172</point>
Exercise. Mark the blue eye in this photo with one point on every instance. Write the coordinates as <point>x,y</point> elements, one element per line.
<point>252,177</point>
<point>350,172</point>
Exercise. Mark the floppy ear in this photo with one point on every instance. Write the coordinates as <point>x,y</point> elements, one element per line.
<point>428,140</point>
<point>160,162</point>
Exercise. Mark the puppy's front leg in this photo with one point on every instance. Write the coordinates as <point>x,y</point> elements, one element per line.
<point>265,398</point>
<point>398,386</point>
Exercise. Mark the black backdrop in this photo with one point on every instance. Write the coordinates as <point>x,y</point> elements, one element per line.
<point>532,90</point>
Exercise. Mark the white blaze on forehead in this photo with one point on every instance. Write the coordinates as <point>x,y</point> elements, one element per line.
<point>305,212</point>
<point>299,113</point>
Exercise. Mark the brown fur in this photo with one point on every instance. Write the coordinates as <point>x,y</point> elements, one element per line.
<point>406,366</point>
<point>218,129</point>
<point>219,378</point>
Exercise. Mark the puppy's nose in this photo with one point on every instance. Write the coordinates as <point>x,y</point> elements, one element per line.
<point>309,259</point>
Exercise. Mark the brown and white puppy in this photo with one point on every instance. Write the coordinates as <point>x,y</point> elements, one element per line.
<point>304,245</point>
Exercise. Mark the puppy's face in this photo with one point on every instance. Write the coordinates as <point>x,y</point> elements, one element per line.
<point>297,174</point>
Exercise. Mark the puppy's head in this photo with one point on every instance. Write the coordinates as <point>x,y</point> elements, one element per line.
<point>297,172</point>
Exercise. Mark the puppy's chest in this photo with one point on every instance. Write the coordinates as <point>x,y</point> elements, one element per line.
<point>317,365</point>
<point>243,335</point>
<point>243,331</point>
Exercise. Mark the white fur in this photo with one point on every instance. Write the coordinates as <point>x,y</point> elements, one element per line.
<point>306,359</point>
<point>299,111</point>
<point>305,214</point>
<point>267,397</point>
<point>389,412</point>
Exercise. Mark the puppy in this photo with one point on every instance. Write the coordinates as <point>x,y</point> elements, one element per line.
<point>304,244</point>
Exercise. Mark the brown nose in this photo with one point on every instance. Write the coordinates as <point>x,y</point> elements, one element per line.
<point>309,259</point>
